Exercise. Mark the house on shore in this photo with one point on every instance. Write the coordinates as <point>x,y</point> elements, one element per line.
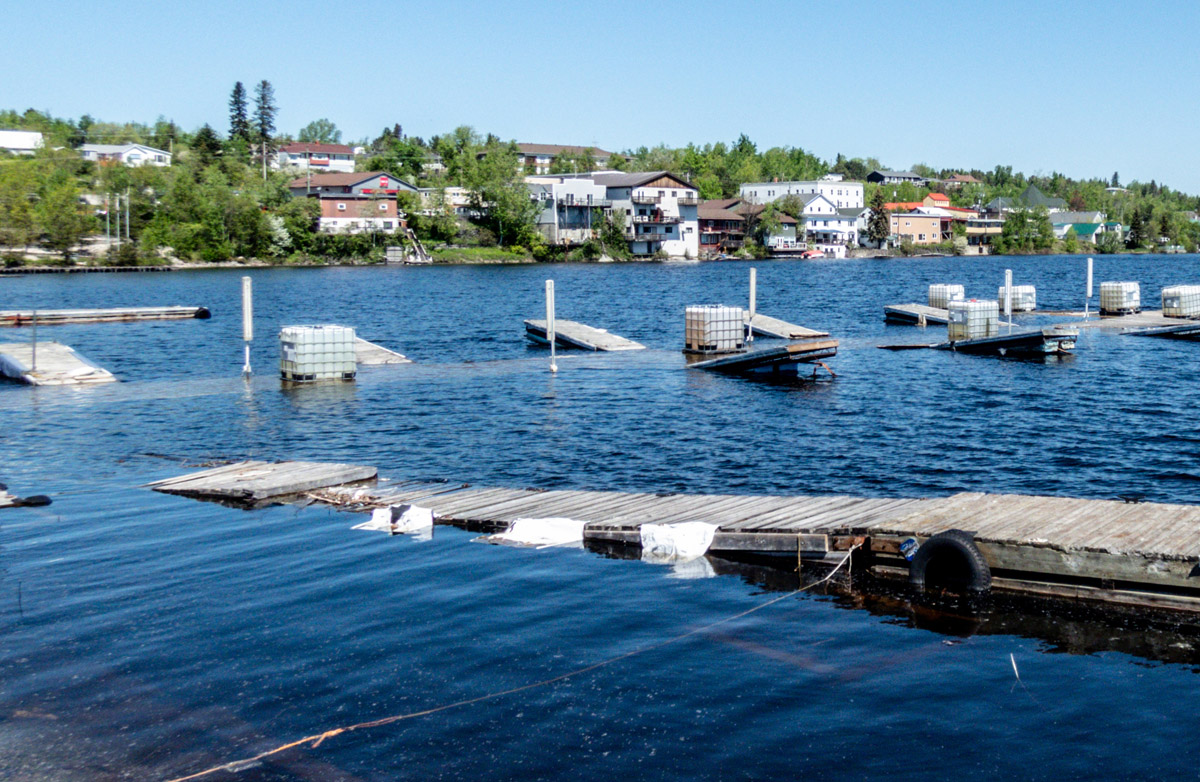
<point>1030,198</point>
<point>955,181</point>
<point>659,209</point>
<point>305,156</point>
<point>21,142</point>
<point>352,203</point>
<point>896,178</point>
<point>842,194</point>
<point>918,228</point>
<point>125,154</point>
<point>573,208</point>
<point>537,159</point>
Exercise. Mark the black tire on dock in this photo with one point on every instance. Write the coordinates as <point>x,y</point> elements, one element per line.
<point>203,314</point>
<point>36,501</point>
<point>950,560</point>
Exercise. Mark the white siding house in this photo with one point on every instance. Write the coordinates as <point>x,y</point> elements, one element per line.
<point>20,142</point>
<point>127,154</point>
<point>843,195</point>
<point>660,211</point>
<point>302,156</point>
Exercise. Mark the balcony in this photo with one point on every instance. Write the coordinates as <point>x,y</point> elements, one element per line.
<point>688,200</point>
<point>656,237</point>
<point>642,198</point>
<point>595,203</point>
<point>662,219</point>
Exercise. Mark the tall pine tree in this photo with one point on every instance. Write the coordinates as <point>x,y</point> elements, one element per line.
<point>239,123</point>
<point>264,112</point>
<point>879,226</point>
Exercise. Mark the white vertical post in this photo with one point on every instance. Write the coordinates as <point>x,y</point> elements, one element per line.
<point>753,303</point>
<point>34,346</point>
<point>247,320</point>
<point>1088,300</point>
<point>1008,298</point>
<point>550,322</point>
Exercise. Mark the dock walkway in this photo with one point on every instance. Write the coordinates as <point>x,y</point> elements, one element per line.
<point>766,326</point>
<point>117,315</point>
<point>1106,550</point>
<point>914,313</point>
<point>56,365</point>
<point>569,333</point>
<point>370,354</point>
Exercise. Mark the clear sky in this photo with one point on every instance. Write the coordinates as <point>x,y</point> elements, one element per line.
<point>1085,88</point>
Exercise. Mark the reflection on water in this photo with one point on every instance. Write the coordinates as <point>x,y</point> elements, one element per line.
<point>147,635</point>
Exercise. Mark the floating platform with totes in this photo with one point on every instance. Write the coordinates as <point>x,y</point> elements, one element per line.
<point>115,315</point>
<point>1119,551</point>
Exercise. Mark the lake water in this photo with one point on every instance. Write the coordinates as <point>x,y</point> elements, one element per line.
<point>146,636</point>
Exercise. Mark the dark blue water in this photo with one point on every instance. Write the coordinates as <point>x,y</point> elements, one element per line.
<point>148,636</point>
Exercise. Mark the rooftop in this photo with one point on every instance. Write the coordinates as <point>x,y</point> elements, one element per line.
<point>328,149</point>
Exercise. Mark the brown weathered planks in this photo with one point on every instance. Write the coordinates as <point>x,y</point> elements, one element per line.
<point>253,481</point>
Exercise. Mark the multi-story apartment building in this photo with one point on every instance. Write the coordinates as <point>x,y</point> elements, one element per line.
<point>316,157</point>
<point>842,194</point>
<point>659,209</point>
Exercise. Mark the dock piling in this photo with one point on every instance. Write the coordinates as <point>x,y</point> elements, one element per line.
<point>1087,301</point>
<point>550,323</point>
<point>33,346</point>
<point>753,303</point>
<point>247,322</point>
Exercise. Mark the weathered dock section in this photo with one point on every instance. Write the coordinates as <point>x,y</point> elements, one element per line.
<point>771,361</point>
<point>1050,340</point>
<point>370,354</point>
<point>918,314</point>
<point>252,482</point>
<point>54,365</point>
<point>766,326</point>
<point>117,315</point>
<point>571,334</point>
<point>1103,550</point>
<point>1185,331</point>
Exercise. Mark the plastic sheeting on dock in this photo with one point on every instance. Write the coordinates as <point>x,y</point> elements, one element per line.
<point>540,533</point>
<point>682,542</point>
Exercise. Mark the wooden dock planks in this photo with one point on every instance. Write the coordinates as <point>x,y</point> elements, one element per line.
<point>766,326</point>
<point>569,333</point>
<point>111,315</point>
<point>370,354</point>
<point>56,365</point>
<point>254,481</point>
<point>784,359</point>
<point>917,314</point>
<point>1039,544</point>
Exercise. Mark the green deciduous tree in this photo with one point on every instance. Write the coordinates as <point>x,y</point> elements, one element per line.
<point>320,131</point>
<point>61,217</point>
<point>498,191</point>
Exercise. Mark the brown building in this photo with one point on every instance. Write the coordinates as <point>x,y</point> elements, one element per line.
<point>918,228</point>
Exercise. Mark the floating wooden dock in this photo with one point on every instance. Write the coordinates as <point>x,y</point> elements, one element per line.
<point>1104,550</point>
<point>1052,339</point>
<point>253,481</point>
<point>370,354</point>
<point>770,361</point>
<point>119,315</point>
<point>568,333</point>
<point>916,314</point>
<point>766,326</point>
<point>1185,331</point>
<point>56,365</point>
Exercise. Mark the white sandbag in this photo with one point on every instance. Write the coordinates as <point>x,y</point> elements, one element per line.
<point>540,533</point>
<point>682,542</point>
<point>399,520</point>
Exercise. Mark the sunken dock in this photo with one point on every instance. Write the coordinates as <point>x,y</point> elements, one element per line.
<point>785,360</point>
<point>774,328</point>
<point>253,482</point>
<point>50,364</point>
<point>1127,552</point>
<point>1184,331</point>
<point>1049,340</point>
<point>571,334</point>
<point>917,314</point>
<point>369,354</point>
<point>117,315</point>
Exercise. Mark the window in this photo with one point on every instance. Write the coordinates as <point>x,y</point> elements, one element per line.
<point>387,223</point>
<point>641,211</point>
<point>669,230</point>
<point>907,223</point>
<point>383,207</point>
<point>341,207</point>
<point>920,237</point>
<point>628,212</point>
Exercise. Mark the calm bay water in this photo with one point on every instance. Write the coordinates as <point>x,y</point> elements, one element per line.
<point>147,636</point>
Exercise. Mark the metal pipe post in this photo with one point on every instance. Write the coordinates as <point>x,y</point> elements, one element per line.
<point>550,323</point>
<point>247,321</point>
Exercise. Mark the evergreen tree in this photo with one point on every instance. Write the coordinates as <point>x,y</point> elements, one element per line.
<point>264,112</point>
<point>879,227</point>
<point>1116,180</point>
<point>239,124</point>
<point>1136,231</point>
<point>206,145</point>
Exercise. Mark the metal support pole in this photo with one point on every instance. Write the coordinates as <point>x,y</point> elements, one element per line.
<point>247,321</point>
<point>34,346</point>
<point>1088,300</point>
<point>753,303</point>
<point>550,323</point>
<point>1008,298</point>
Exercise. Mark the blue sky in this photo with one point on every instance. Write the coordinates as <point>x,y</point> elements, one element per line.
<point>1085,88</point>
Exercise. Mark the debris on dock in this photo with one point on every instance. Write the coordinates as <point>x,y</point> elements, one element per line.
<point>54,365</point>
<point>766,326</point>
<point>772,361</point>
<point>370,354</point>
<point>918,314</point>
<point>252,482</point>
<point>570,334</point>
<point>116,315</point>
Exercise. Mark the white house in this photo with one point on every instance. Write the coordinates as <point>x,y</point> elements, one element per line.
<point>127,154</point>
<point>569,207</point>
<point>306,156</point>
<point>660,211</point>
<point>843,195</point>
<point>538,158</point>
<point>20,142</point>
